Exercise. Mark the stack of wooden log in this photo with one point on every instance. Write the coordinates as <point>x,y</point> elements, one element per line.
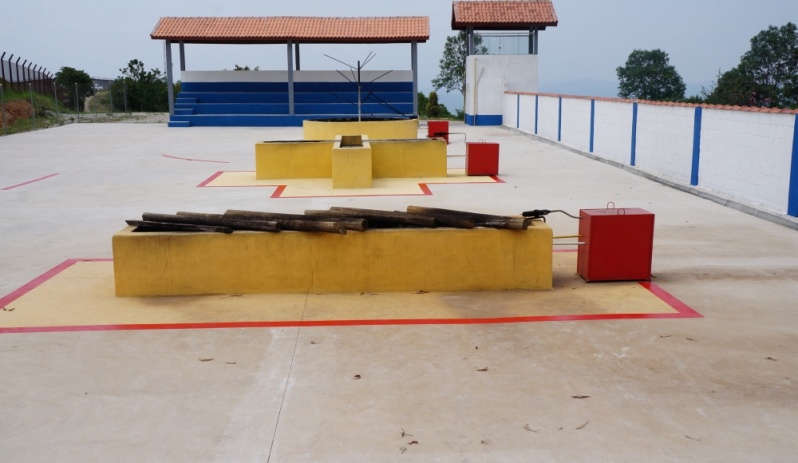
<point>334,220</point>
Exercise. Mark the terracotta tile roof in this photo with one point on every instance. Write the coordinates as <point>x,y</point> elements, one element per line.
<point>753,109</point>
<point>280,29</point>
<point>503,14</point>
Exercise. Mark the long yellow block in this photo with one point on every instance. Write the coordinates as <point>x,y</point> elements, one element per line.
<point>390,159</point>
<point>409,158</point>
<point>351,166</point>
<point>383,130</point>
<point>293,159</point>
<point>442,259</point>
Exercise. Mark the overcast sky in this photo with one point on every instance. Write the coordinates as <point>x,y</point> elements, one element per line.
<point>580,55</point>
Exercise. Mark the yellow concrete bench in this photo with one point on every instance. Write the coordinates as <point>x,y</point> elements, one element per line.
<point>438,259</point>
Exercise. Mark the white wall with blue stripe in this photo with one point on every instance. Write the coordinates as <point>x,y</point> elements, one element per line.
<point>747,156</point>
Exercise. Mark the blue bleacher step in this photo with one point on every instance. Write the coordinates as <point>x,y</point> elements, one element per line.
<point>179,123</point>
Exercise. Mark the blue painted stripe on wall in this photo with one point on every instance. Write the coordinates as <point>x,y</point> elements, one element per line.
<point>484,119</point>
<point>592,122</point>
<point>634,135</point>
<point>792,202</point>
<point>559,121</point>
<point>536,114</point>
<point>517,111</point>
<point>696,147</point>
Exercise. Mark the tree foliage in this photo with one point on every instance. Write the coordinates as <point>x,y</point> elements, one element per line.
<point>648,75</point>
<point>67,77</point>
<point>452,64</point>
<point>767,75</point>
<point>144,90</point>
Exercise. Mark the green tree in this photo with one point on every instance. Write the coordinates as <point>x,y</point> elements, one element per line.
<point>67,77</point>
<point>144,90</point>
<point>452,65</point>
<point>422,104</point>
<point>733,87</point>
<point>433,108</point>
<point>648,75</point>
<point>767,75</point>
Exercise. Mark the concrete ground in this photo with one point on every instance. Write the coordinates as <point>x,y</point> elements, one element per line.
<point>719,388</point>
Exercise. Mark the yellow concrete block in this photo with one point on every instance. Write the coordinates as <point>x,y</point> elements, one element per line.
<point>293,159</point>
<point>351,165</point>
<point>375,130</point>
<point>442,259</point>
<point>409,158</point>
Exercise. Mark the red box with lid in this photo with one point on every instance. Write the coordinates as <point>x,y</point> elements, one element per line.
<point>482,158</point>
<point>438,129</point>
<point>618,244</point>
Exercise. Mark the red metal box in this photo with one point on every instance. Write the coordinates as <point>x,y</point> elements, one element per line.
<point>482,158</point>
<point>438,129</point>
<point>618,244</point>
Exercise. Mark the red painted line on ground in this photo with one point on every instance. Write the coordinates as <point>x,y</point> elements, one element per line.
<point>280,189</point>
<point>194,160</point>
<point>682,311</point>
<point>278,192</point>
<point>210,179</point>
<point>36,282</point>
<point>28,182</point>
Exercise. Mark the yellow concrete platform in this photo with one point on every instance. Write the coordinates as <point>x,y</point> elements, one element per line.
<point>392,129</point>
<point>81,296</point>
<point>322,187</point>
<point>408,158</point>
<point>410,259</point>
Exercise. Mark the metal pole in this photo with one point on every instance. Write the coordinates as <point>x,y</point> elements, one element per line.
<point>124,94</point>
<point>170,89</point>
<point>111,97</point>
<point>55,96</point>
<point>30,90</point>
<point>182,58</point>
<point>414,67</point>
<point>3,107</point>
<point>290,79</point>
<point>296,56</point>
<point>16,68</point>
<point>2,70</point>
<point>358,91</point>
<point>77,100</point>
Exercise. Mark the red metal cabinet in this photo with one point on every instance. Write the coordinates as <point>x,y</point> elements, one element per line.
<point>482,158</point>
<point>618,244</point>
<point>438,129</point>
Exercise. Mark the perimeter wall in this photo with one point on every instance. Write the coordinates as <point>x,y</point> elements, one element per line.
<point>749,156</point>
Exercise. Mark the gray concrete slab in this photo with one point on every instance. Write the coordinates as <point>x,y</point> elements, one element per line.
<point>721,388</point>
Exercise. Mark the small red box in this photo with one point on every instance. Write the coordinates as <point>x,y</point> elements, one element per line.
<point>482,158</point>
<point>618,244</point>
<point>438,129</point>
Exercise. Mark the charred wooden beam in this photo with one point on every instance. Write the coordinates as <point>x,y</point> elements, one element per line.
<point>197,218</point>
<point>350,223</point>
<point>484,220</point>
<point>145,226</point>
<point>377,218</point>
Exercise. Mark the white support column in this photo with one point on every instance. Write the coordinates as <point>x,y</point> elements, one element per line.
<point>414,66</point>
<point>169,80</point>
<point>290,78</point>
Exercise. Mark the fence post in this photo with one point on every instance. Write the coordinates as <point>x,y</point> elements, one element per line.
<point>3,70</point>
<point>55,96</point>
<point>3,107</point>
<point>30,90</point>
